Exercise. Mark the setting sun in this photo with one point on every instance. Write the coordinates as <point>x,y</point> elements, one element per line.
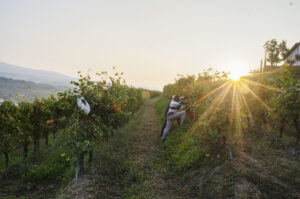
<point>235,76</point>
<point>237,69</point>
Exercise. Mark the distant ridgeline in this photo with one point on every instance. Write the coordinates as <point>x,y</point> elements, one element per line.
<point>38,76</point>
<point>10,88</point>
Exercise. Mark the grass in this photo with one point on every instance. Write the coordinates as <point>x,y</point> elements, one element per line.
<point>161,105</point>
<point>40,174</point>
<point>265,170</point>
<point>45,174</point>
<point>184,148</point>
<point>138,166</point>
<point>115,174</point>
<point>195,159</point>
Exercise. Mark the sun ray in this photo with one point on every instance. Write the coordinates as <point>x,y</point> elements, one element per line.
<point>256,96</point>
<point>220,99</point>
<point>224,95</point>
<point>251,121</point>
<point>266,73</point>
<point>244,99</point>
<point>207,95</point>
<point>262,85</point>
<point>233,102</point>
<point>238,121</point>
<point>232,108</point>
<point>207,112</point>
<point>212,107</point>
<point>235,118</point>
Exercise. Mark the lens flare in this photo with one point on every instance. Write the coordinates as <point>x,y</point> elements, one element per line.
<point>236,74</point>
<point>234,77</point>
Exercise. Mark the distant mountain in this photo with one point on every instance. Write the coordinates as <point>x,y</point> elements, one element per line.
<point>9,88</point>
<point>37,76</point>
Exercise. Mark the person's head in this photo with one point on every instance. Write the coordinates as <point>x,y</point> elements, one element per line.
<point>176,98</point>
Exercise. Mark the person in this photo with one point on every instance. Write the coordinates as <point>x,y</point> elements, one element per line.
<point>174,112</point>
<point>182,106</point>
<point>167,109</point>
<point>165,121</point>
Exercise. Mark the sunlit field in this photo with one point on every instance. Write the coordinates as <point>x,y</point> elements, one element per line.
<point>150,99</point>
<point>237,118</point>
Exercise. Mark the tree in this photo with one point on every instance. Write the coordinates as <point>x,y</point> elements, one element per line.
<point>283,49</point>
<point>275,52</point>
<point>272,51</point>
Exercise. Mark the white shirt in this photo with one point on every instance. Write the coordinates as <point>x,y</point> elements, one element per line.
<point>174,106</point>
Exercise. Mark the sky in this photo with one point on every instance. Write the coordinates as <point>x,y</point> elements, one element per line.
<point>150,40</point>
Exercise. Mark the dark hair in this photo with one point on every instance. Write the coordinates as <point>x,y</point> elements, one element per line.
<point>176,98</point>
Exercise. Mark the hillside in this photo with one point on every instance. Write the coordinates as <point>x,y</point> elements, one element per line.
<point>10,87</point>
<point>37,76</point>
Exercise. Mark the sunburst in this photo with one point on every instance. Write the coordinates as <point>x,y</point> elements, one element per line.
<point>238,87</point>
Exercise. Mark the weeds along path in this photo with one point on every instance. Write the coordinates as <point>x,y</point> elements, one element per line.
<point>131,165</point>
<point>149,162</point>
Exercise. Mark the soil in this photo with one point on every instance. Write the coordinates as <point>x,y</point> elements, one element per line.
<point>147,160</point>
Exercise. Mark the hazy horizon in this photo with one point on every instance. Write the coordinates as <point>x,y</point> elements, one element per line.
<point>151,41</point>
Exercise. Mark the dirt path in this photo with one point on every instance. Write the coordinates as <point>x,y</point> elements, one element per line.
<point>149,160</point>
<point>146,175</point>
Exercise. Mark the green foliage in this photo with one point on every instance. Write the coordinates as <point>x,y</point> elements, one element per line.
<point>192,86</point>
<point>112,103</point>
<point>23,116</point>
<point>275,51</point>
<point>161,105</point>
<point>224,110</point>
<point>287,102</point>
<point>185,147</point>
<point>52,168</point>
<point>8,130</point>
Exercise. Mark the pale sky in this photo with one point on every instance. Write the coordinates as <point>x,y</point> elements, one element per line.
<point>150,40</point>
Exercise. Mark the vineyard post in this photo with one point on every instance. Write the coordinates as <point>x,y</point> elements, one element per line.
<point>81,154</point>
<point>46,139</point>
<point>81,162</point>
<point>6,158</point>
<point>282,122</point>
<point>25,151</point>
<point>91,154</point>
<point>296,124</point>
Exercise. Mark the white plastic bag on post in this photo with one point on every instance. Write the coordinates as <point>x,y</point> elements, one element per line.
<point>83,105</point>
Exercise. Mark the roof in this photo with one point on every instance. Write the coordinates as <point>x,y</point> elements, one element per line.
<point>292,49</point>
